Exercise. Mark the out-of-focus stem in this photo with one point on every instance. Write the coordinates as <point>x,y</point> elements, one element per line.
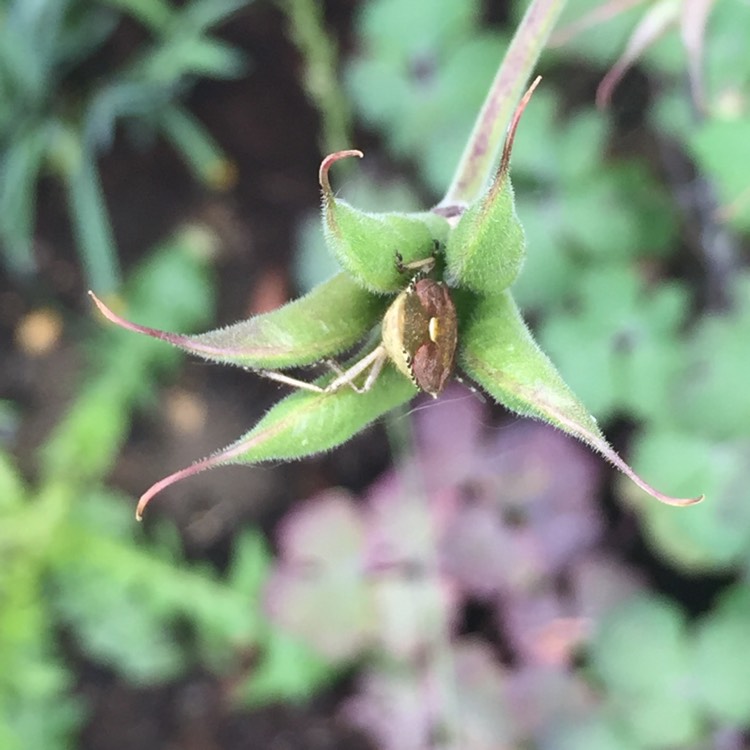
<point>483,147</point>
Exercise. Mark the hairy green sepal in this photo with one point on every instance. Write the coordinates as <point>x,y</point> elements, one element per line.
<point>305,423</point>
<point>328,320</point>
<point>302,424</point>
<point>500,353</point>
<point>332,318</point>
<point>486,250</point>
<point>365,244</point>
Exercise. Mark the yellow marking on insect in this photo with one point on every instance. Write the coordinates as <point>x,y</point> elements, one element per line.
<point>433,328</point>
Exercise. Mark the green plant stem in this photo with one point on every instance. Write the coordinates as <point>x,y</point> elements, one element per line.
<point>199,149</point>
<point>321,81</point>
<point>91,225</point>
<point>483,147</point>
<point>20,165</point>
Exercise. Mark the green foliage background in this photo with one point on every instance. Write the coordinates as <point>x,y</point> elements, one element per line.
<point>617,287</point>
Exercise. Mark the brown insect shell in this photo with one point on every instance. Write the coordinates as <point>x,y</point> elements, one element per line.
<point>419,334</point>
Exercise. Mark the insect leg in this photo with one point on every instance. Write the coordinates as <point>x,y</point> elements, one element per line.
<point>377,366</point>
<point>425,265</point>
<point>288,380</point>
<point>374,359</point>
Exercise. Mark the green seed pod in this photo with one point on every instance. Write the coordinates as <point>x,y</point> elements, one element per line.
<point>364,243</point>
<point>486,250</point>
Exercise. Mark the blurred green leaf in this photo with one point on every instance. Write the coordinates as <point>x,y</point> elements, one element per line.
<point>289,670</point>
<point>423,90</point>
<point>154,14</point>
<point>619,346</point>
<point>596,732</point>
<point>723,658</point>
<point>189,56</point>
<point>716,534</point>
<point>91,225</point>
<point>726,66</point>
<point>20,167</point>
<point>37,707</point>
<point>642,656</point>
<point>123,602</point>
<point>578,209</point>
<point>84,445</point>
<point>440,126</point>
<point>12,490</point>
<point>722,149</point>
<point>618,214</point>
<point>53,115</point>
<point>712,397</point>
<point>116,100</point>
<point>199,150</point>
<point>205,14</point>
<point>388,26</point>
<point>557,149</point>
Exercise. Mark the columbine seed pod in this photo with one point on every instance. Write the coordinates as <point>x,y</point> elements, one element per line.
<point>357,238</point>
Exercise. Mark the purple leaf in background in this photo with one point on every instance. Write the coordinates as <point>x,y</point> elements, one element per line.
<point>481,693</point>
<point>533,509</point>
<point>405,709</point>
<point>485,556</point>
<point>473,512</point>
<point>416,605</point>
<point>390,706</point>
<point>544,628</point>
<point>318,590</point>
<point>447,433</point>
<point>600,583</point>
<point>351,579</point>
<point>547,624</point>
<point>542,698</point>
<point>541,479</point>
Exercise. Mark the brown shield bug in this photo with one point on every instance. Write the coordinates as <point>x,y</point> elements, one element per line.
<point>418,334</point>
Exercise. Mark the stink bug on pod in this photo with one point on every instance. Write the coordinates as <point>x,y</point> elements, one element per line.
<point>418,334</point>
<point>419,331</point>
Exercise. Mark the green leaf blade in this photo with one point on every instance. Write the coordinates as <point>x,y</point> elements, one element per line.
<point>643,656</point>
<point>722,658</point>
